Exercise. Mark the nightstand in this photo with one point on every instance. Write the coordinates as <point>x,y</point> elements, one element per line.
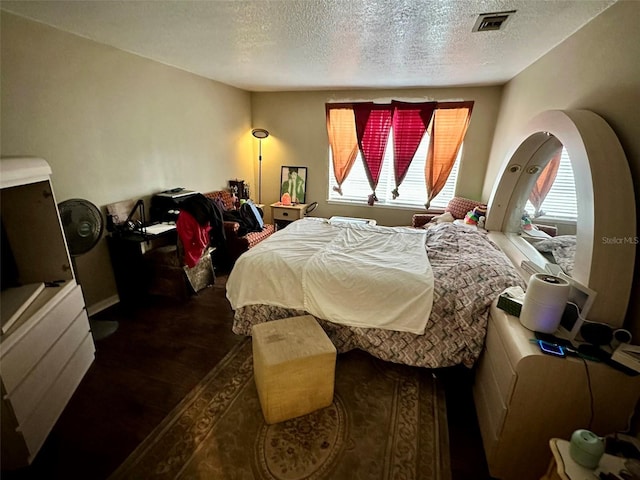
<point>285,214</point>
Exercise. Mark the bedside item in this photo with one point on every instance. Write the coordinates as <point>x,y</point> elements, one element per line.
<point>578,306</point>
<point>620,336</point>
<point>596,333</point>
<point>511,301</point>
<point>563,467</point>
<point>550,348</point>
<point>544,302</point>
<point>628,355</point>
<point>586,448</point>
<point>285,199</point>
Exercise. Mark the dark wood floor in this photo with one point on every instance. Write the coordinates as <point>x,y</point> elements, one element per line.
<point>160,351</point>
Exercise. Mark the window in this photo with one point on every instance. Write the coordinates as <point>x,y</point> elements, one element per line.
<point>412,191</point>
<point>561,202</point>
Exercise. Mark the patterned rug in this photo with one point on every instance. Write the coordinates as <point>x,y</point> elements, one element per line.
<point>387,421</point>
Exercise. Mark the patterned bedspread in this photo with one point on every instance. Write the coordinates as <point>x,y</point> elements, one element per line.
<point>563,250</point>
<point>470,272</point>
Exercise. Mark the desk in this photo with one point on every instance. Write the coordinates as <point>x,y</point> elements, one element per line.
<point>562,466</point>
<point>283,215</point>
<point>127,251</point>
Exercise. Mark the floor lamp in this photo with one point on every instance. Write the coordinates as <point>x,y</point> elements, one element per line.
<point>260,133</point>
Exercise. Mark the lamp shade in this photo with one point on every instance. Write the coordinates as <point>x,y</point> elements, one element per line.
<point>260,133</point>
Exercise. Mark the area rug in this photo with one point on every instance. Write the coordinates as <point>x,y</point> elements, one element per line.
<point>387,421</point>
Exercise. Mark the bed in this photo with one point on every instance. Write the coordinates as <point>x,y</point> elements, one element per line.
<point>430,292</point>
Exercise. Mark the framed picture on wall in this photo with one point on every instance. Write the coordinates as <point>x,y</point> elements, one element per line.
<point>293,180</point>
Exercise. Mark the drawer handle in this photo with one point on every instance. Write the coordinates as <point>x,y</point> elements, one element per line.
<point>285,214</point>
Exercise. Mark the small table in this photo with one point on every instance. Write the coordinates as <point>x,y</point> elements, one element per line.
<point>563,467</point>
<point>285,214</point>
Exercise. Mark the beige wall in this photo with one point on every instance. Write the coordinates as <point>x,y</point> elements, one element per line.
<point>115,126</point>
<point>297,124</point>
<point>595,69</point>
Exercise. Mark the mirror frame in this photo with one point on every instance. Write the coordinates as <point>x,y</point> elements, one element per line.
<point>606,228</point>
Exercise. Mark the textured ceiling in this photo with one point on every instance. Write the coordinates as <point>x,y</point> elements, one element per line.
<point>264,45</point>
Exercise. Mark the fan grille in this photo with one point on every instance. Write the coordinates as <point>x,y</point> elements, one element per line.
<point>82,224</point>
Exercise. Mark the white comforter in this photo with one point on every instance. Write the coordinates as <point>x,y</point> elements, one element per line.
<point>356,275</point>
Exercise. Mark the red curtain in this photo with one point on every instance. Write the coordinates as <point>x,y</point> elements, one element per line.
<point>410,121</point>
<point>341,129</point>
<point>544,183</point>
<point>448,128</point>
<point>373,124</point>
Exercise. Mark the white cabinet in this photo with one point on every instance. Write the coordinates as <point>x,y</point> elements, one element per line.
<point>524,398</point>
<point>45,353</point>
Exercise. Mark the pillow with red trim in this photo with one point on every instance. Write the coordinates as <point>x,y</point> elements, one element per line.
<point>459,206</point>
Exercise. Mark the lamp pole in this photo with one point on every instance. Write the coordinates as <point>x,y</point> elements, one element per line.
<point>260,133</point>
<point>260,171</point>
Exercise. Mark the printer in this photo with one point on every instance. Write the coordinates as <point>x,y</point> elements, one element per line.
<point>165,206</point>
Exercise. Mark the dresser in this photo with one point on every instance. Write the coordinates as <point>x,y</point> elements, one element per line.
<point>47,349</point>
<point>524,398</point>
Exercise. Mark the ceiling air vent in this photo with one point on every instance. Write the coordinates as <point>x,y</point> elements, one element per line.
<point>492,21</point>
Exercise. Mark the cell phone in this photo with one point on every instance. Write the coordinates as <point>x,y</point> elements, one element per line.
<point>551,348</point>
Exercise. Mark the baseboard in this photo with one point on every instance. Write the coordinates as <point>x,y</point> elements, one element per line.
<point>102,305</point>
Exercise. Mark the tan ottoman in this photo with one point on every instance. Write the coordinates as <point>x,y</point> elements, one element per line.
<point>294,364</point>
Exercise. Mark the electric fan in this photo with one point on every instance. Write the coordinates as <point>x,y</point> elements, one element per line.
<point>83,226</point>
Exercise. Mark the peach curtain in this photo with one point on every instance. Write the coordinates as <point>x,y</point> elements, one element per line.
<point>448,128</point>
<point>544,183</point>
<point>341,127</point>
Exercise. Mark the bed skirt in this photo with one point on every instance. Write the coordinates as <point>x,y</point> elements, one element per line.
<point>440,347</point>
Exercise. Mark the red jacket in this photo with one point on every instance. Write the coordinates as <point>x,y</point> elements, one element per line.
<point>194,237</point>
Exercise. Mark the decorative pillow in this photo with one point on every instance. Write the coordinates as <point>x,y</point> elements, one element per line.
<point>459,206</point>
<point>445,217</point>
<point>224,199</point>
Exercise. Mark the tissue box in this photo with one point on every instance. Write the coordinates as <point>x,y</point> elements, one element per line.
<point>509,305</point>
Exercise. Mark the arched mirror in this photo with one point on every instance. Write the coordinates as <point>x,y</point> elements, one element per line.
<point>550,216</point>
<point>605,226</point>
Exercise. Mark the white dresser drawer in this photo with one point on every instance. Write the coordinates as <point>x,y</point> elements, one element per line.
<point>36,428</point>
<point>489,440</point>
<point>487,388</point>
<point>30,391</point>
<point>503,373</point>
<point>22,357</point>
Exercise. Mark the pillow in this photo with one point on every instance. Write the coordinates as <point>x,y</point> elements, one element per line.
<point>459,206</point>
<point>445,217</point>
